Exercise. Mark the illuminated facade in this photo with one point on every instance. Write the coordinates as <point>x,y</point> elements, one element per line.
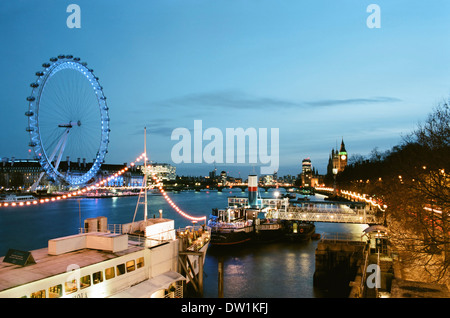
<point>23,173</point>
<point>163,171</point>
<point>306,172</point>
<point>338,160</point>
<point>18,173</point>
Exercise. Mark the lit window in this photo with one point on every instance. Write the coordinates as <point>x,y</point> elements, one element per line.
<point>70,287</point>
<point>97,277</point>
<point>130,266</point>
<point>109,273</point>
<point>38,294</point>
<point>85,281</point>
<point>120,269</point>
<point>55,291</point>
<point>140,262</point>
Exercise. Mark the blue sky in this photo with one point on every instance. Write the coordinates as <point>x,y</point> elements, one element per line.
<point>313,69</point>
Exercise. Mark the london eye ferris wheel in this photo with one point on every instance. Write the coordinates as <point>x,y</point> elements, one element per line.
<point>67,119</point>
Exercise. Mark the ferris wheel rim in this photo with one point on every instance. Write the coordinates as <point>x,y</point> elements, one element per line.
<point>49,69</point>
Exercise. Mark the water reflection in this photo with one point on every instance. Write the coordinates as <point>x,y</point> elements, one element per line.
<point>274,270</point>
<point>266,270</point>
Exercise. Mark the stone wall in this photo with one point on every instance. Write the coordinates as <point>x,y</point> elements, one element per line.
<point>337,263</point>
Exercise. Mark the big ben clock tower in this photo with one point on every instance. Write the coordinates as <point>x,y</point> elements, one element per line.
<point>343,157</point>
<point>338,160</point>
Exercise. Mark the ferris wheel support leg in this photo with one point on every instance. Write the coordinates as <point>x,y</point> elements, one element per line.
<point>61,146</point>
<point>61,151</point>
<point>35,184</point>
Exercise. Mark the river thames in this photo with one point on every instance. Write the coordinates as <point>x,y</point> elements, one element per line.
<point>275,270</point>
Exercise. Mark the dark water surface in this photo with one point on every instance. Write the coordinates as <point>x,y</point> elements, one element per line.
<point>282,270</point>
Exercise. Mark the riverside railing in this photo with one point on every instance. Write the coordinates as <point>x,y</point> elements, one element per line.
<point>343,237</point>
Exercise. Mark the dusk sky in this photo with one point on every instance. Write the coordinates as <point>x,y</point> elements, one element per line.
<point>312,69</point>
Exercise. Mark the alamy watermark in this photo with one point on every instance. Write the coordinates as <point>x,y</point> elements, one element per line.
<point>374,279</point>
<point>74,19</point>
<point>374,19</point>
<point>231,150</point>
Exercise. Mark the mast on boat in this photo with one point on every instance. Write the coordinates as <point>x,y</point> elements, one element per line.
<point>143,191</point>
<point>145,174</point>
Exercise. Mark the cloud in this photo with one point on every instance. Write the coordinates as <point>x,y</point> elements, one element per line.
<point>238,100</point>
<point>226,99</point>
<point>353,101</point>
<point>154,127</point>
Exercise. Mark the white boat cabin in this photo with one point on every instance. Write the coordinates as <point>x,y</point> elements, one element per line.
<point>98,263</point>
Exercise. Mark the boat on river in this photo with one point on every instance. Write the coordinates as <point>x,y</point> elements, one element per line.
<point>16,198</point>
<point>299,230</point>
<point>104,260</point>
<point>230,226</point>
<point>249,220</point>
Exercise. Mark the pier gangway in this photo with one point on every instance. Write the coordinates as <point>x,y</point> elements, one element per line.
<point>329,212</point>
<point>312,215</point>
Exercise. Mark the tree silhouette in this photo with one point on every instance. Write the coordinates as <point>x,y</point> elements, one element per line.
<point>413,180</point>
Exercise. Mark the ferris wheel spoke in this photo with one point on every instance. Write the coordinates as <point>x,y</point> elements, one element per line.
<point>50,140</point>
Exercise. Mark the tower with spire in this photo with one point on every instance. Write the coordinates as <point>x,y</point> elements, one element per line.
<point>338,159</point>
<point>343,157</point>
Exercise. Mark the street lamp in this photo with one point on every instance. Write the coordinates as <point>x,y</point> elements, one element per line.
<point>335,171</point>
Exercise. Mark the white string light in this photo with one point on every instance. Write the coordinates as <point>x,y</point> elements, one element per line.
<point>363,197</point>
<point>79,192</point>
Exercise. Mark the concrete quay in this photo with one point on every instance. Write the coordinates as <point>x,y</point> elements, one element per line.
<point>337,258</point>
<point>368,267</point>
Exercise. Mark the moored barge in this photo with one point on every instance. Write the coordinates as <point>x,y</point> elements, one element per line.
<point>249,220</point>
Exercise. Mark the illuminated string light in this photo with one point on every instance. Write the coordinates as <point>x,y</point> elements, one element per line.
<point>325,189</point>
<point>173,205</point>
<point>363,197</point>
<point>99,184</point>
<point>356,196</point>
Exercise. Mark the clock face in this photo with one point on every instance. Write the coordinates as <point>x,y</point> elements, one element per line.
<point>343,157</point>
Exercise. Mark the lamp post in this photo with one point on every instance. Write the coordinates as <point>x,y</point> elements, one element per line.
<point>335,171</point>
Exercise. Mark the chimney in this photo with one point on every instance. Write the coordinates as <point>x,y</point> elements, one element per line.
<point>252,191</point>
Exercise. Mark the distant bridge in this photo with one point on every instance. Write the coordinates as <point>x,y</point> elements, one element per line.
<point>243,187</point>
